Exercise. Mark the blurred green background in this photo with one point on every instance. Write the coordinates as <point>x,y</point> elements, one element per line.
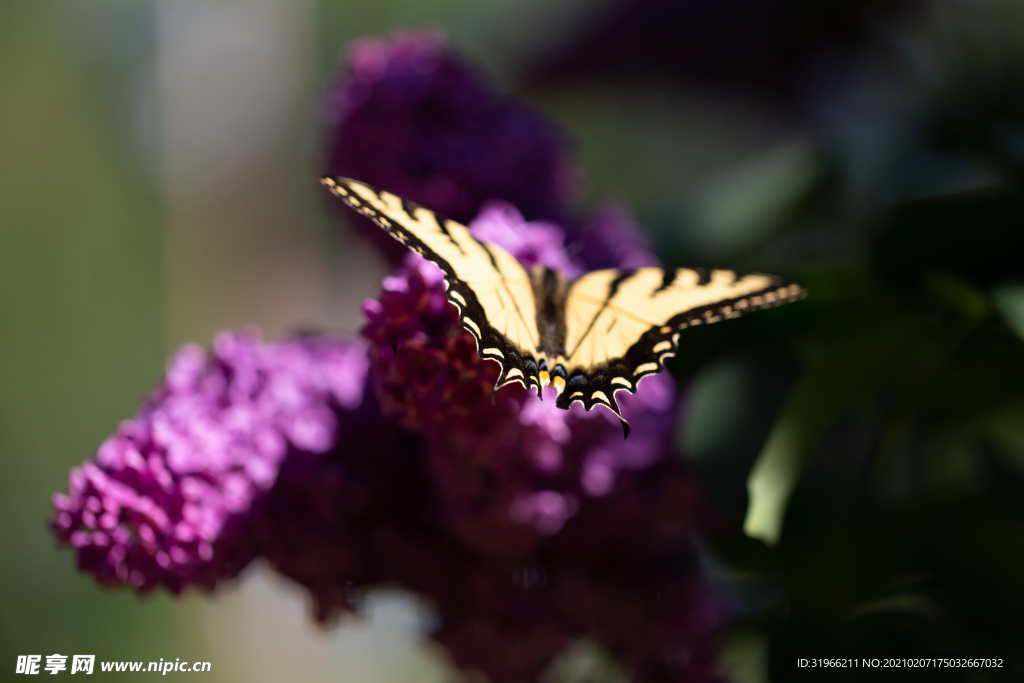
<point>157,183</point>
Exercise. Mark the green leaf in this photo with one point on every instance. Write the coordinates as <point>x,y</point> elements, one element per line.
<point>838,380</point>
<point>1009,301</point>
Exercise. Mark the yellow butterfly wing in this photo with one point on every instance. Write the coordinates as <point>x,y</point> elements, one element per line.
<point>621,325</point>
<point>488,286</point>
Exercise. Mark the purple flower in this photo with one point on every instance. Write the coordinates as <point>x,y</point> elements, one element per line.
<point>165,500</point>
<point>323,520</point>
<point>513,470</point>
<point>623,570</point>
<point>652,413</point>
<point>612,239</point>
<point>426,369</point>
<point>414,120</point>
<point>505,488</point>
<point>527,526</point>
<point>627,568</point>
<point>530,242</point>
<point>348,466</point>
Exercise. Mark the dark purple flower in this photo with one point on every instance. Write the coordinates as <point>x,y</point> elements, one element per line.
<point>426,369</point>
<point>165,499</point>
<point>321,523</point>
<point>411,118</point>
<point>504,488</point>
<point>631,573</point>
<point>509,469</point>
<point>623,571</point>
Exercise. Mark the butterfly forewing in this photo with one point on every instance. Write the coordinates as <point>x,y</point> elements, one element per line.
<point>487,284</point>
<point>620,325</point>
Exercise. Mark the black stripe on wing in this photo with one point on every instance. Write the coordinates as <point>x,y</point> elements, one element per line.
<point>516,365</point>
<point>597,385</point>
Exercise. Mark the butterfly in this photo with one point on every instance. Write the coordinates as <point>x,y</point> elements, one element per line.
<point>588,338</point>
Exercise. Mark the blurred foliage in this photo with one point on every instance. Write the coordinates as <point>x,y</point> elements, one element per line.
<point>900,443</point>
<point>888,490</point>
<point>80,332</point>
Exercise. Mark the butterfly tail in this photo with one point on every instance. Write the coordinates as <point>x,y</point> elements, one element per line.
<point>613,405</point>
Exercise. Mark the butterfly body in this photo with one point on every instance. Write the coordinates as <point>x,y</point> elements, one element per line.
<point>549,291</point>
<point>589,337</point>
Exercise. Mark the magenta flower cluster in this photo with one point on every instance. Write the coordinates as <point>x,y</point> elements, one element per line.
<point>164,499</point>
<point>391,460</point>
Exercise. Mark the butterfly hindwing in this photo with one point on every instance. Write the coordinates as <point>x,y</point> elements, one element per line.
<point>621,325</point>
<point>488,286</point>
